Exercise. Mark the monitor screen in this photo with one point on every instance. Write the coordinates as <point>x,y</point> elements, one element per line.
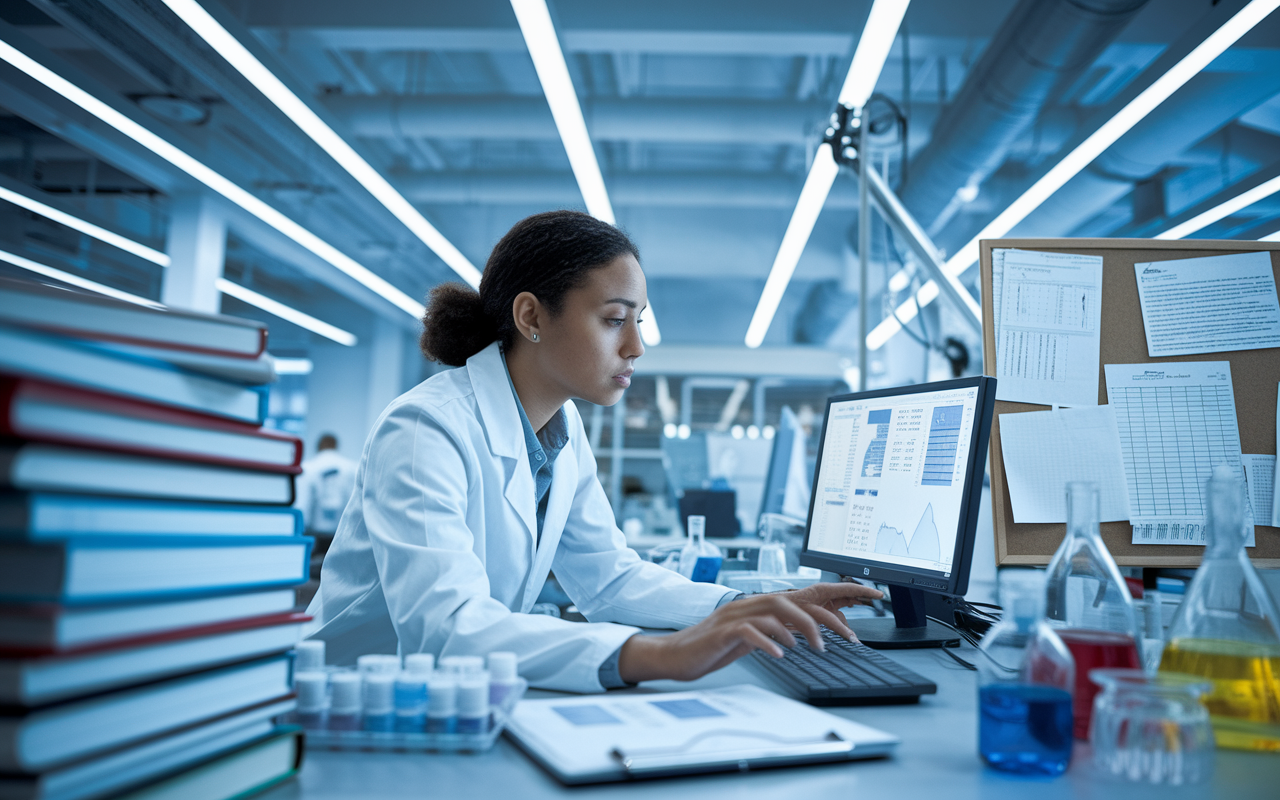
<point>894,486</point>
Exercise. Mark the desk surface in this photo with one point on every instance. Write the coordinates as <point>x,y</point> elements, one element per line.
<point>937,757</point>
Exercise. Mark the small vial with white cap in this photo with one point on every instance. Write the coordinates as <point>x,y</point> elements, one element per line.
<point>379,702</point>
<point>309,656</point>
<point>420,663</point>
<point>473,702</point>
<point>503,676</point>
<point>411,702</point>
<point>461,665</point>
<point>313,699</point>
<point>378,662</point>
<point>442,703</point>
<point>344,710</point>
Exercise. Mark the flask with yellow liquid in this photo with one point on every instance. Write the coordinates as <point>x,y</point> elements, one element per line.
<point>1228,629</point>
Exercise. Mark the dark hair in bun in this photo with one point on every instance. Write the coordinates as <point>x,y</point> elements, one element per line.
<point>547,255</point>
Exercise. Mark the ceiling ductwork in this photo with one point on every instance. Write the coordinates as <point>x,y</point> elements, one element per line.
<point>1042,47</point>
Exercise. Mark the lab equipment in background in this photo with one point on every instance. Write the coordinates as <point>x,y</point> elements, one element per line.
<point>419,663</point>
<point>1227,629</point>
<point>699,559</point>
<point>473,702</point>
<point>1025,683</point>
<point>786,484</point>
<point>461,665</point>
<point>1088,603</point>
<point>739,465</point>
<point>1151,728</point>
<point>716,506</point>
<point>787,531</point>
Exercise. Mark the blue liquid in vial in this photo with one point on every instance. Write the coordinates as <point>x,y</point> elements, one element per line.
<point>1024,728</point>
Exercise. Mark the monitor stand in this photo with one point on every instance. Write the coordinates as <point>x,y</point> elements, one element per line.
<point>909,627</point>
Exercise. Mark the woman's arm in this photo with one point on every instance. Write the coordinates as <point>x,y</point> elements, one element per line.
<point>760,622</point>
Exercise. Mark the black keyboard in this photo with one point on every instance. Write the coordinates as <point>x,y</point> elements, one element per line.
<point>847,673</point>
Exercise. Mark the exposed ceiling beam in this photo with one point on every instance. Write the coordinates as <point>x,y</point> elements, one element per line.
<point>658,189</point>
<point>631,119</point>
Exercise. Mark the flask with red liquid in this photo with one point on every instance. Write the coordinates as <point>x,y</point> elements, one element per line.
<point>1088,604</point>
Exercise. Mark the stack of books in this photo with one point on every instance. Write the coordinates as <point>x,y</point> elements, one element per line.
<point>147,550</point>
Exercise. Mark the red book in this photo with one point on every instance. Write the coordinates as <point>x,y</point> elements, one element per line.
<point>44,412</point>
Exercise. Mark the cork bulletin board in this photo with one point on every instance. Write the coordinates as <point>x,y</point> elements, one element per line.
<point>1254,375</point>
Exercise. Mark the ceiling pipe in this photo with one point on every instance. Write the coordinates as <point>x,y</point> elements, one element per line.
<point>1040,49</point>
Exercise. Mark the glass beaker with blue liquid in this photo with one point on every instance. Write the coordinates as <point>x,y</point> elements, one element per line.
<point>1025,679</point>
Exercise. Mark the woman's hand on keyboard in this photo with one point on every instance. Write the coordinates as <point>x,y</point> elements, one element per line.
<point>756,622</point>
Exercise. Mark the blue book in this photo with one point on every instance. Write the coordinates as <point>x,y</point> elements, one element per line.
<point>77,363</point>
<point>80,571</point>
<point>49,516</point>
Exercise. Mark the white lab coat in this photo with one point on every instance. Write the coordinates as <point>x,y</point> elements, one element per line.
<point>436,550</point>
<point>324,487</point>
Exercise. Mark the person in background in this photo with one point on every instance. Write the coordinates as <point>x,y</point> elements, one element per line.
<point>325,486</point>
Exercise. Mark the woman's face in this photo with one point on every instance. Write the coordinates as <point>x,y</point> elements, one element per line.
<point>590,347</point>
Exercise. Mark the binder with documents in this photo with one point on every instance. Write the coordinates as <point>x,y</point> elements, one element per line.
<point>626,737</point>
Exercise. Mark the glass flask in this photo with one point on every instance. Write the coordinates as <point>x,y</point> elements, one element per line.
<point>1227,629</point>
<point>1025,680</point>
<point>1151,728</point>
<point>1088,603</point>
<point>700,560</point>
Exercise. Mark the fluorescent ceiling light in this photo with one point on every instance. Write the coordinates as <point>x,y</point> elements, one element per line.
<point>1093,146</point>
<point>286,313</point>
<point>74,280</point>
<point>868,60</point>
<point>553,73</point>
<point>236,54</point>
<point>1111,130</point>
<point>816,187</point>
<point>293,366</point>
<point>87,228</point>
<point>873,49</point>
<point>1223,209</point>
<point>214,180</point>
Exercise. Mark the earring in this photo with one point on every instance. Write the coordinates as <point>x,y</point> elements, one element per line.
<point>535,337</point>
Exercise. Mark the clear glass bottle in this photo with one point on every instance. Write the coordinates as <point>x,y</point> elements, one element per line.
<point>1227,629</point>
<point>700,560</point>
<point>1025,681</point>
<point>1088,603</point>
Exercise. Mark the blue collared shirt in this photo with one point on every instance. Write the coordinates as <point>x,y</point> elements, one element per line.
<point>543,447</point>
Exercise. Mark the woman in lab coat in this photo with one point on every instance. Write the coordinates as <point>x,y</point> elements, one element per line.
<point>478,482</point>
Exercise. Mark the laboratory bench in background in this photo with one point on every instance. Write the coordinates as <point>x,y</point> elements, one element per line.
<point>937,759</point>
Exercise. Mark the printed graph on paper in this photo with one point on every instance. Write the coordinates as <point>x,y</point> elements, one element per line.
<point>1175,426</point>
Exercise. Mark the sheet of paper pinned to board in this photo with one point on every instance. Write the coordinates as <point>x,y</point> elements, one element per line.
<point>1046,450</point>
<point>1275,507</point>
<point>1213,304</point>
<point>1260,477</point>
<point>1177,421</point>
<point>1047,309</point>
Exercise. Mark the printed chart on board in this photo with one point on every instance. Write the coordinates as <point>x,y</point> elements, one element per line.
<point>891,480</point>
<point>1177,421</point>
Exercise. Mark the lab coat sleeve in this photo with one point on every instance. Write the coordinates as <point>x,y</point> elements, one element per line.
<point>420,484</point>
<point>606,580</point>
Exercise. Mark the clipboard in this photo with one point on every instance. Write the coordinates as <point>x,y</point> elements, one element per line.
<point>622,737</point>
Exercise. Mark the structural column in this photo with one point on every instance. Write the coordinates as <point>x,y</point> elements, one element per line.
<point>197,246</point>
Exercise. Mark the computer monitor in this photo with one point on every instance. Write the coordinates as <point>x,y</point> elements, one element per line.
<point>786,484</point>
<point>896,492</point>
